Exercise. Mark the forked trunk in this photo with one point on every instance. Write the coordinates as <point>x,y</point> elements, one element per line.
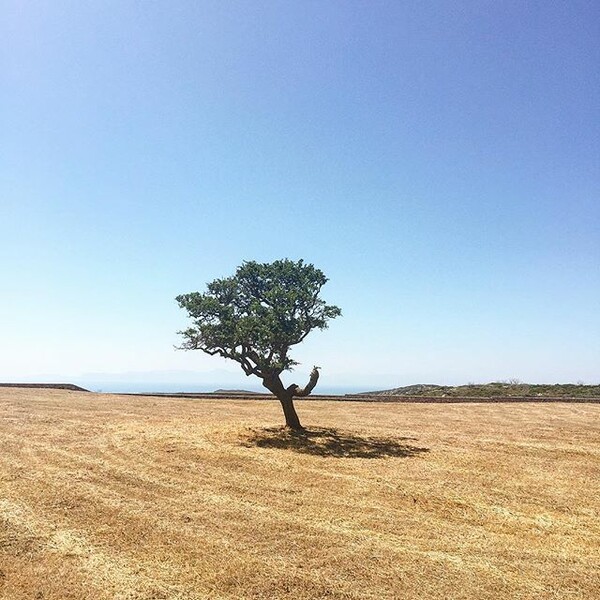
<point>286,398</point>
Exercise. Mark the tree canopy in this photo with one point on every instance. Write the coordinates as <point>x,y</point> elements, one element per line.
<point>255,316</point>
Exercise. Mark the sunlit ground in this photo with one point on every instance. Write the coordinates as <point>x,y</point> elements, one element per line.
<point>113,497</point>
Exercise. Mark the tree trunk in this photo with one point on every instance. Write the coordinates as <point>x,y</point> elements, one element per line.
<point>286,398</point>
<point>291,416</point>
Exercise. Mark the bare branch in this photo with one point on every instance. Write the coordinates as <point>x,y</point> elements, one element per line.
<point>305,391</point>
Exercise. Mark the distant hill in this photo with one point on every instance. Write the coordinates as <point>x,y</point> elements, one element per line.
<point>489,390</point>
<point>427,389</point>
<point>54,386</point>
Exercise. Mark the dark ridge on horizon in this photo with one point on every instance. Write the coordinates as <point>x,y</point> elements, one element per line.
<point>221,391</point>
<point>56,386</point>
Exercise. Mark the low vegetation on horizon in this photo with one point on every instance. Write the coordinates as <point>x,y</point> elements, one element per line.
<point>106,497</point>
<point>508,389</point>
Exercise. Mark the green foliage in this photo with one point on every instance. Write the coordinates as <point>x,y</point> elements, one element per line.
<point>255,316</point>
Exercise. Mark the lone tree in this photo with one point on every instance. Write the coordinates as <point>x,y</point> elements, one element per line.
<point>255,316</point>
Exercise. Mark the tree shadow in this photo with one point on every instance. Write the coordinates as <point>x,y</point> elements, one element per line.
<point>333,442</point>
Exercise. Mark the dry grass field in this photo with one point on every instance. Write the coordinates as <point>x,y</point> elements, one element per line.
<point>113,497</point>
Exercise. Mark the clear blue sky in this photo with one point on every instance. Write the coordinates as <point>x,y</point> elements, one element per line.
<point>439,161</point>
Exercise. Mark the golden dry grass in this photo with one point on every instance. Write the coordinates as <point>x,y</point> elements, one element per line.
<point>112,497</point>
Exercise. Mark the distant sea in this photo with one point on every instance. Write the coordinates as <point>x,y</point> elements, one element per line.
<point>132,387</point>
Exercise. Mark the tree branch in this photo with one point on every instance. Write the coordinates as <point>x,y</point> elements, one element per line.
<point>305,391</point>
<point>247,366</point>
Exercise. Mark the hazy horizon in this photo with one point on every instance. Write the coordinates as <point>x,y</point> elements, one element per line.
<point>209,381</point>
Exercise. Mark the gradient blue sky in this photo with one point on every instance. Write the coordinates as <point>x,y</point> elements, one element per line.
<point>440,161</point>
